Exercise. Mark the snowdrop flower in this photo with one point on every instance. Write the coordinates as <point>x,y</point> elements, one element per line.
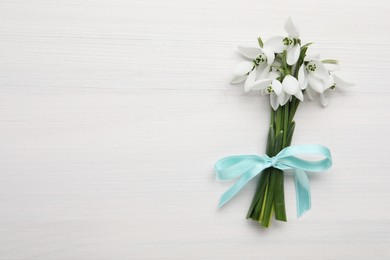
<point>291,87</point>
<point>292,43</point>
<point>275,91</point>
<point>281,92</point>
<point>261,78</point>
<point>261,58</point>
<point>313,74</point>
<point>338,83</point>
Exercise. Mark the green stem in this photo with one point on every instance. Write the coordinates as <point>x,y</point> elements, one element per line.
<point>256,206</point>
<point>278,123</point>
<point>279,203</point>
<point>286,121</point>
<point>269,201</point>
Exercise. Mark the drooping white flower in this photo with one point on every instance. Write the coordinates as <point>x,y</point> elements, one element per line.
<point>281,92</point>
<point>275,91</point>
<point>313,74</point>
<point>291,87</point>
<point>261,78</point>
<point>266,82</point>
<point>258,56</point>
<point>277,96</point>
<point>338,83</point>
<point>292,43</point>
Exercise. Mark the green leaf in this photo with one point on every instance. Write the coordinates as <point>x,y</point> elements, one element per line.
<point>293,107</point>
<point>269,201</point>
<point>307,45</point>
<point>301,56</point>
<point>290,133</point>
<point>270,141</point>
<point>330,61</point>
<point>279,203</point>
<point>260,41</point>
<point>278,143</point>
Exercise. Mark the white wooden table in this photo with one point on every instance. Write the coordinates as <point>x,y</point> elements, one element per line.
<point>113,112</point>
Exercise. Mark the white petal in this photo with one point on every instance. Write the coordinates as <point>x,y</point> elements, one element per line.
<point>290,85</point>
<point>315,83</point>
<point>311,55</point>
<point>291,28</point>
<point>243,68</point>
<point>331,67</point>
<point>277,86</point>
<point>275,44</point>
<point>341,83</point>
<point>274,101</point>
<point>329,83</point>
<point>283,98</point>
<point>238,79</point>
<point>293,54</point>
<point>325,98</point>
<point>264,73</point>
<point>269,54</point>
<point>310,93</point>
<point>260,70</point>
<point>299,95</point>
<point>273,75</point>
<point>260,84</point>
<point>249,52</point>
<point>250,80</point>
<point>302,77</point>
<point>276,63</point>
<point>320,72</point>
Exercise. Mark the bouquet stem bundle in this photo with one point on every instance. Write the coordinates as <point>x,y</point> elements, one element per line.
<point>269,195</point>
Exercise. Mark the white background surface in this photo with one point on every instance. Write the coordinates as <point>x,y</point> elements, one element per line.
<point>113,113</point>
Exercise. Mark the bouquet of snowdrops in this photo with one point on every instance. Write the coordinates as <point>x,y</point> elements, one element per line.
<point>289,72</point>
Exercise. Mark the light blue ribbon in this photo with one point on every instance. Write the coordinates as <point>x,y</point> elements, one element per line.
<point>248,166</point>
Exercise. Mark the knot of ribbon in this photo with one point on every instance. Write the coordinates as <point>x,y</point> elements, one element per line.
<point>246,167</point>
<point>272,160</point>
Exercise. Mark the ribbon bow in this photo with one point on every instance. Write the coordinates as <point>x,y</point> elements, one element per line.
<point>248,166</point>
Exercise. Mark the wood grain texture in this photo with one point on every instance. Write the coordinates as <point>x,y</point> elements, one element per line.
<point>113,112</point>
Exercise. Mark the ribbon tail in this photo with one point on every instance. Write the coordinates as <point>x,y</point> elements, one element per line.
<point>302,189</point>
<point>244,179</point>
